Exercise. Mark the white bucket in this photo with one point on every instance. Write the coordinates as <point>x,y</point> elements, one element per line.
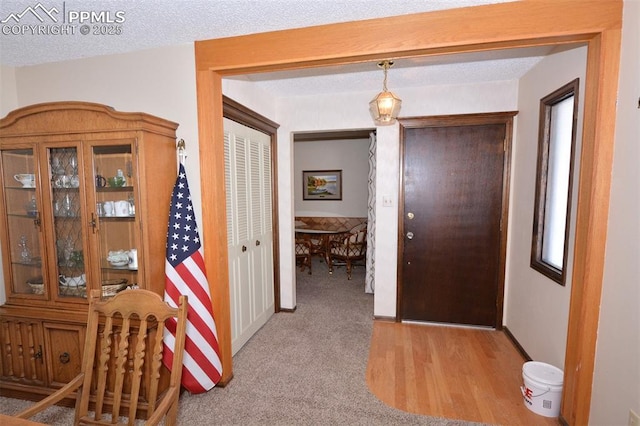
<point>542,390</point>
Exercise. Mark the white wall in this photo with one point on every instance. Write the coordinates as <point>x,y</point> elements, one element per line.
<point>8,90</point>
<point>350,111</point>
<point>350,156</point>
<point>538,307</point>
<point>616,384</point>
<point>250,96</point>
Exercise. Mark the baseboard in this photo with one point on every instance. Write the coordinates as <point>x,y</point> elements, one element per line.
<point>384,319</point>
<point>516,343</point>
<point>288,310</point>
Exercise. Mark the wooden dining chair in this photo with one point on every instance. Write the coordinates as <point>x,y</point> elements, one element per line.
<point>347,248</point>
<point>122,359</point>
<point>303,253</point>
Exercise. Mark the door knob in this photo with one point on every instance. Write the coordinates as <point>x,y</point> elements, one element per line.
<point>410,235</point>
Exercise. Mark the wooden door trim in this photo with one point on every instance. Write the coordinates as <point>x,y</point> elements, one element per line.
<point>505,118</point>
<point>239,113</point>
<point>530,23</point>
<point>421,34</point>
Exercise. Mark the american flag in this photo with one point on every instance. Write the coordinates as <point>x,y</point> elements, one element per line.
<point>185,274</point>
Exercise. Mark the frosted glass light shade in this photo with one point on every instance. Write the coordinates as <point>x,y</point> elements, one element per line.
<point>384,108</point>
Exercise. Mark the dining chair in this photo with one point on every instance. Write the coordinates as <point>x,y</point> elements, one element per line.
<point>348,248</point>
<point>121,363</point>
<point>303,253</point>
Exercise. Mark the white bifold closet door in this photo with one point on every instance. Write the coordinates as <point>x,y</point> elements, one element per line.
<point>247,155</point>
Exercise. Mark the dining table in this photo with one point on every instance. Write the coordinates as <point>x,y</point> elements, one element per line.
<point>323,234</point>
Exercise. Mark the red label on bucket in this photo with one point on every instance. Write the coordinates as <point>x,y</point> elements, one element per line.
<point>528,393</point>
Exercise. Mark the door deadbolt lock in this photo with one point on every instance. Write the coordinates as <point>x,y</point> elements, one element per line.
<point>410,235</point>
<point>410,215</point>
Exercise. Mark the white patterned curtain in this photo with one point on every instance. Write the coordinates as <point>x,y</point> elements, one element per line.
<point>369,284</point>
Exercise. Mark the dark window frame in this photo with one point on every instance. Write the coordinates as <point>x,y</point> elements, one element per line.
<point>544,142</point>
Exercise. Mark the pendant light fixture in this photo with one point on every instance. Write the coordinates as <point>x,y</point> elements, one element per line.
<point>385,107</point>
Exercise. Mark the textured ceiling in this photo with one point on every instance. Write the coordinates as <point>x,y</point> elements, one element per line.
<point>405,73</point>
<point>155,23</point>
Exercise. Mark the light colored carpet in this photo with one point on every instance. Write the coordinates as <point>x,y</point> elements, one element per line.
<point>301,368</point>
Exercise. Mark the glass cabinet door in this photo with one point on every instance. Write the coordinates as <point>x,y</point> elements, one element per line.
<point>22,204</point>
<point>67,216</point>
<point>117,235</point>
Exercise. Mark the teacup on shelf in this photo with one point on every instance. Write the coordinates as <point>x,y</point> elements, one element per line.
<point>28,180</point>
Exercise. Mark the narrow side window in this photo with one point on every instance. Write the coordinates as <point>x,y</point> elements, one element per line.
<point>556,146</point>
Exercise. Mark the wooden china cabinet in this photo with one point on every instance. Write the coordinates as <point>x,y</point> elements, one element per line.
<point>82,189</point>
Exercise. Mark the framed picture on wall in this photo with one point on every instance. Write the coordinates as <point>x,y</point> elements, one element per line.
<point>322,185</point>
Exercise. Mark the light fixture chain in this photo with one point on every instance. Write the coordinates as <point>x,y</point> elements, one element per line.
<point>384,82</point>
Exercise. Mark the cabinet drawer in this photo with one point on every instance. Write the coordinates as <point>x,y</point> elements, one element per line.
<point>63,352</point>
<point>21,351</point>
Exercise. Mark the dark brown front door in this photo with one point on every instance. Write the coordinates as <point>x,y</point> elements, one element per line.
<point>450,261</point>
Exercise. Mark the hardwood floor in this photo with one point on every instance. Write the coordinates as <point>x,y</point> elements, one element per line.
<point>453,372</point>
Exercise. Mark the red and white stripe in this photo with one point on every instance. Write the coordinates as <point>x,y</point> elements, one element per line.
<point>202,367</point>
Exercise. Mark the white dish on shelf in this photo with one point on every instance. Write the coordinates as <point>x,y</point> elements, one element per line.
<point>118,258</point>
<point>79,281</point>
<point>28,180</point>
<point>36,288</point>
